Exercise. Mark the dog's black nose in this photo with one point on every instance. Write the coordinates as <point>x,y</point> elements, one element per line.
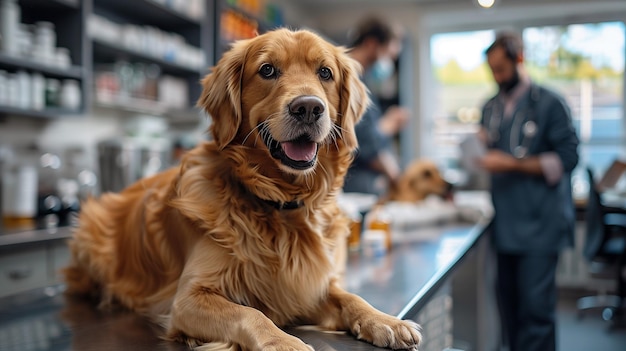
<point>307,108</point>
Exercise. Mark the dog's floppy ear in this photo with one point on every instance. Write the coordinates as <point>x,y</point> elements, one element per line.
<point>221,94</point>
<point>354,99</point>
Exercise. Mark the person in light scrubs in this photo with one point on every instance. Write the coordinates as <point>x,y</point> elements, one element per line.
<point>532,148</point>
<point>375,46</point>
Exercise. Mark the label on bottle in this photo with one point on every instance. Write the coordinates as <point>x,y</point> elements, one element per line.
<point>19,192</point>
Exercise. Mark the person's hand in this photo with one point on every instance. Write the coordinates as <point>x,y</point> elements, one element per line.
<point>394,119</point>
<point>482,135</point>
<point>496,161</point>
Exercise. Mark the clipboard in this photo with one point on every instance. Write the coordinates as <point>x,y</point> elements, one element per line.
<point>612,175</point>
<point>472,149</point>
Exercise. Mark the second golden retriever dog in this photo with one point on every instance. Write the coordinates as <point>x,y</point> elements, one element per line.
<point>419,180</point>
<point>239,240</point>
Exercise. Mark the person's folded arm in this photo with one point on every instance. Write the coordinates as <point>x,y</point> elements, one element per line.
<point>563,142</point>
<point>562,158</point>
<point>562,135</point>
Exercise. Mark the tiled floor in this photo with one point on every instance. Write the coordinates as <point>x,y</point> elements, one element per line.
<point>589,333</point>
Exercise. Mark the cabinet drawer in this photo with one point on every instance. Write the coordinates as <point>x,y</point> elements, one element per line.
<point>22,270</point>
<point>60,258</point>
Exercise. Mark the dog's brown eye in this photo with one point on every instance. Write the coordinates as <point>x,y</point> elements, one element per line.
<point>267,71</point>
<point>325,73</point>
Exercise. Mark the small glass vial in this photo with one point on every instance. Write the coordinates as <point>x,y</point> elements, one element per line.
<point>354,239</point>
<point>378,219</point>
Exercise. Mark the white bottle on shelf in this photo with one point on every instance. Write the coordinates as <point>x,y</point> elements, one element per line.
<point>4,88</point>
<point>38,92</point>
<point>46,41</point>
<point>70,94</point>
<point>10,17</point>
<point>13,90</point>
<point>19,193</point>
<point>24,89</point>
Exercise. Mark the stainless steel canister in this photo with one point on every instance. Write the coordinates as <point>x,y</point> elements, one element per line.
<point>122,161</point>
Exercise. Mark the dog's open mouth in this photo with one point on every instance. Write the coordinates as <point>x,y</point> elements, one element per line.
<point>300,153</point>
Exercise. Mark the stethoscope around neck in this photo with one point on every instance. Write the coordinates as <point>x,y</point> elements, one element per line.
<point>519,148</point>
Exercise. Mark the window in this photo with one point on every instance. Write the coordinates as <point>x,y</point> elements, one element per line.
<point>463,83</point>
<point>585,63</point>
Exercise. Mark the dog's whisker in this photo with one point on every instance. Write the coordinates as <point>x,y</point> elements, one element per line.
<point>247,136</point>
<point>339,131</point>
<point>334,135</point>
<point>263,131</point>
<point>323,169</point>
<point>337,126</point>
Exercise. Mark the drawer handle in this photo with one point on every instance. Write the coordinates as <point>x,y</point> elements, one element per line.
<point>20,273</point>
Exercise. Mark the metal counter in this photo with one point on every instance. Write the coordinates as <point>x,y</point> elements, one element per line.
<point>397,283</point>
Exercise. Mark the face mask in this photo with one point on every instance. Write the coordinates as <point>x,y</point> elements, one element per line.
<point>382,70</point>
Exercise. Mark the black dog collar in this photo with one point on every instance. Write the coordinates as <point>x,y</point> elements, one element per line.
<point>291,205</point>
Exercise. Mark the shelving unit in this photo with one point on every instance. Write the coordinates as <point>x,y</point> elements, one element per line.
<point>143,106</point>
<point>15,63</point>
<point>68,18</point>
<point>51,4</point>
<point>202,31</point>
<point>71,19</point>
<point>108,52</point>
<point>196,32</point>
<point>151,13</point>
<point>49,113</point>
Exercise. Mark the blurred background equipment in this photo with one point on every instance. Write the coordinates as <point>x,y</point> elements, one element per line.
<point>142,152</point>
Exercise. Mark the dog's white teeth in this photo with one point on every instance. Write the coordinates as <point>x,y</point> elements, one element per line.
<point>299,151</point>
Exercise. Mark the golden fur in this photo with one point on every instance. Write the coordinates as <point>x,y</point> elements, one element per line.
<point>419,180</point>
<point>200,247</point>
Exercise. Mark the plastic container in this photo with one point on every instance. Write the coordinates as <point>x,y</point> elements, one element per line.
<point>62,58</point>
<point>38,92</point>
<point>10,17</point>
<point>374,243</point>
<point>70,95</point>
<point>19,193</point>
<point>53,92</point>
<point>46,41</point>
<point>24,90</point>
<point>4,88</point>
<point>379,219</point>
<point>354,239</point>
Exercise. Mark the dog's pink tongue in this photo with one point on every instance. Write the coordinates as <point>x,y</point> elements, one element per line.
<point>300,151</point>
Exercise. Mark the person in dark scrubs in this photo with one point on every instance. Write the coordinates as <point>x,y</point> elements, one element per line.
<point>532,148</point>
<point>375,46</point>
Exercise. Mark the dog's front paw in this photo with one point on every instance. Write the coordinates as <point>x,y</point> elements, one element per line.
<point>387,331</point>
<point>285,343</point>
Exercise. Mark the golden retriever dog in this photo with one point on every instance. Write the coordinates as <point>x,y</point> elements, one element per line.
<point>419,180</point>
<point>240,239</point>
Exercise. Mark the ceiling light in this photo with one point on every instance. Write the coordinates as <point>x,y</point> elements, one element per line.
<point>486,3</point>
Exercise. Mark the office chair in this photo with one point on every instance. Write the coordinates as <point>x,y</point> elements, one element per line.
<point>605,251</point>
